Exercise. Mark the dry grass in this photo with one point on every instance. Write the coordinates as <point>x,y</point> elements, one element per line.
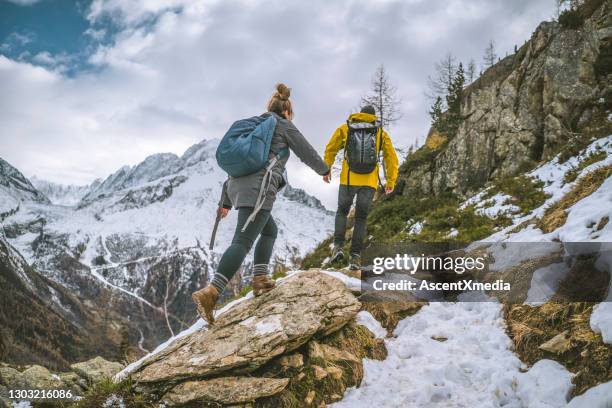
<point>588,357</point>
<point>556,215</point>
<point>435,140</point>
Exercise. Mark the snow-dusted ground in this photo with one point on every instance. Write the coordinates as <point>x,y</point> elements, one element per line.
<point>457,355</point>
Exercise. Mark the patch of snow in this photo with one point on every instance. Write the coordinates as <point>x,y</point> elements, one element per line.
<point>596,397</point>
<point>353,284</point>
<point>547,384</point>
<point>416,228</point>
<point>601,321</point>
<point>453,233</point>
<point>474,367</point>
<point>22,404</point>
<point>366,319</point>
<point>545,281</point>
<point>114,401</point>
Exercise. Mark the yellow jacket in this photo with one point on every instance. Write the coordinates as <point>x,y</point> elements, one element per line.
<point>336,143</point>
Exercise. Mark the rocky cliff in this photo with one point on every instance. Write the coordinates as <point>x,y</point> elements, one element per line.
<point>552,95</point>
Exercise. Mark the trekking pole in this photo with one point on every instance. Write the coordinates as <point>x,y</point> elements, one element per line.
<point>214,231</point>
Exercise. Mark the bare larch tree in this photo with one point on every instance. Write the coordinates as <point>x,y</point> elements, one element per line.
<point>383,97</point>
<point>444,72</point>
<point>490,57</point>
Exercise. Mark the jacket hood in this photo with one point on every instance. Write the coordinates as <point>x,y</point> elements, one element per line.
<point>362,117</point>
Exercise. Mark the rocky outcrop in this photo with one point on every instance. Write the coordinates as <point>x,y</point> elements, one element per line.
<point>268,350</point>
<point>257,330</point>
<point>526,108</point>
<point>36,377</point>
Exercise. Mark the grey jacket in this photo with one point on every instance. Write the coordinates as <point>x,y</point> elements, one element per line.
<point>242,191</point>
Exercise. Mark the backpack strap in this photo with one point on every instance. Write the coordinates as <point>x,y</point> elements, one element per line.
<point>346,144</point>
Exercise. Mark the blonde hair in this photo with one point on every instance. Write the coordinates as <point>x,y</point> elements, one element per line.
<point>279,102</point>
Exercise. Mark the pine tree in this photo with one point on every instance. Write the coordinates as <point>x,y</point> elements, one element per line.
<point>453,102</point>
<point>436,112</point>
<point>455,91</point>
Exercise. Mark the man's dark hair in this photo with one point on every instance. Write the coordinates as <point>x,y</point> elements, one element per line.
<point>368,109</point>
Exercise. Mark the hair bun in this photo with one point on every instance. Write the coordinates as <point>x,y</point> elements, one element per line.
<point>283,92</point>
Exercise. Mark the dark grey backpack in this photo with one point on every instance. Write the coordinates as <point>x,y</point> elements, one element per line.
<point>360,148</point>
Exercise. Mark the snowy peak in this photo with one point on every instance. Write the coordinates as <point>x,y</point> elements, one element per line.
<point>63,194</point>
<point>200,152</point>
<point>152,168</point>
<point>15,187</point>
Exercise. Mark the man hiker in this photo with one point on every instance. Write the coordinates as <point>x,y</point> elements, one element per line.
<point>363,140</point>
<point>253,193</point>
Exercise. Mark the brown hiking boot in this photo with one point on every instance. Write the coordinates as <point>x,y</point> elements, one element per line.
<point>262,284</point>
<point>206,299</point>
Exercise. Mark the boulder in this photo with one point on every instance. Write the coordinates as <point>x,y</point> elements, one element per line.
<point>13,379</point>
<point>256,330</point>
<point>97,369</point>
<point>225,390</point>
<point>40,378</point>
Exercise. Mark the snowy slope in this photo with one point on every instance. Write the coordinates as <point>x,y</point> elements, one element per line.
<point>62,194</point>
<point>15,188</point>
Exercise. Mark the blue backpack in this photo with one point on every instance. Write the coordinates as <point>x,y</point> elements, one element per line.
<point>245,147</point>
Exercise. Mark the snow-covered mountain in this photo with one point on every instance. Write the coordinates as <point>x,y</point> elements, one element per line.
<point>144,231</point>
<point>63,194</point>
<point>15,188</point>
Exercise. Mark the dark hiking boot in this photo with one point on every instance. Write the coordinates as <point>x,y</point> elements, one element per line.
<point>262,284</point>
<point>205,300</point>
<point>355,262</point>
<point>337,254</point>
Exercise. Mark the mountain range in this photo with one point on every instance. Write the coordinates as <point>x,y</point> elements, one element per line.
<point>137,241</point>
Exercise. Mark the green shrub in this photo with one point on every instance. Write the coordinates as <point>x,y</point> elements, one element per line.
<point>470,226</point>
<point>593,157</point>
<point>525,192</point>
<point>571,19</point>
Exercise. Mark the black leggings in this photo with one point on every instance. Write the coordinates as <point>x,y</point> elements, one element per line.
<point>362,207</point>
<point>263,226</point>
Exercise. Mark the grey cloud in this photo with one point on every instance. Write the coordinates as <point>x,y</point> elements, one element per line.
<point>198,66</point>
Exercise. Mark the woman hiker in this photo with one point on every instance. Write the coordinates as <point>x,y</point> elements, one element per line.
<point>242,193</point>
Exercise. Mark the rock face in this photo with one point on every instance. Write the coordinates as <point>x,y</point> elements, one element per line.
<point>257,330</point>
<point>525,108</point>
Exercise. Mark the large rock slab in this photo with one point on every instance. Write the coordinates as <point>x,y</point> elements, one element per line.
<point>225,390</point>
<point>257,330</point>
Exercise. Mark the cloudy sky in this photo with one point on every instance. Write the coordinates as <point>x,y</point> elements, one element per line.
<point>88,86</point>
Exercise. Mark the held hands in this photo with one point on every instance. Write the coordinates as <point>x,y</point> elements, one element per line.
<point>222,212</point>
<point>327,177</point>
<point>388,190</point>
